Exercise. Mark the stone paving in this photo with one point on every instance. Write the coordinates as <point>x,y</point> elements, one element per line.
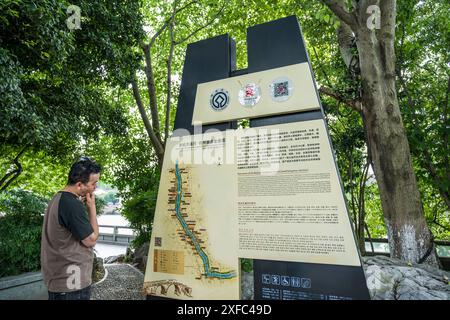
<point>122,282</point>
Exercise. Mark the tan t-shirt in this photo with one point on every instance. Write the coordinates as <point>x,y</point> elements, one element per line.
<point>66,264</point>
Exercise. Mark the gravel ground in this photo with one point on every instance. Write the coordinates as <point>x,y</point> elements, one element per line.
<point>123,282</point>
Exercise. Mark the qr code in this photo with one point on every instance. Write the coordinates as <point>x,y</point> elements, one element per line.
<point>158,241</point>
<point>281,89</point>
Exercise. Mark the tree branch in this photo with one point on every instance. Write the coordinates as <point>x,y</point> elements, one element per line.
<point>447,164</point>
<point>150,76</point>
<point>347,46</point>
<point>338,8</point>
<point>350,178</point>
<point>426,159</point>
<point>440,225</point>
<point>15,173</point>
<point>321,67</point>
<point>157,145</point>
<point>354,104</point>
<point>169,75</point>
<point>361,205</point>
<point>151,90</point>
<point>202,27</point>
<point>369,236</point>
<point>168,21</point>
<point>388,10</point>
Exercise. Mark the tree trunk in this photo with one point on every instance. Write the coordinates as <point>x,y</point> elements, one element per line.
<point>409,236</point>
<point>6,181</point>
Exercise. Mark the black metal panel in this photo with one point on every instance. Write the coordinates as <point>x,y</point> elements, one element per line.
<point>206,60</point>
<point>281,280</point>
<point>271,45</point>
<point>275,44</point>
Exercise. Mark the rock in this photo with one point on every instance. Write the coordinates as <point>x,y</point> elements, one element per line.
<point>389,279</point>
<point>115,259</point>
<point>140,256</point>
<point>129,255</point>
<point>98,270</point>
<point>247,285</point>
<point>110,259</point>
<point>393,279</point>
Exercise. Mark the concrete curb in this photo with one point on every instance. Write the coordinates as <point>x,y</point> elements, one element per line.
<point>123,264</point>
<point>26,286</point>
<point>21,279</point>
<point>102,279</point>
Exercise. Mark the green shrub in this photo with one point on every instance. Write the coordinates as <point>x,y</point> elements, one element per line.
<point>247,265</point>
<point>139,211</point>
<point>20,232</point>
<point>100,204</point>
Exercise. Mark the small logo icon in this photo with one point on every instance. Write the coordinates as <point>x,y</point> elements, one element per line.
<point>219,99</point>
<point>285,281</point>
<point>295,282</point>
<point>306,283</point>
<point>275,279</point>
<point>266,278</point>
<point>249,95</point>
<point>281,89</point>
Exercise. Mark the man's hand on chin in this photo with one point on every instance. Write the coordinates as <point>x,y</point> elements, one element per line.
<point>90,200</point>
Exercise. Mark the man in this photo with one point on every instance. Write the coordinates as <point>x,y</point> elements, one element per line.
<point>69,233</point>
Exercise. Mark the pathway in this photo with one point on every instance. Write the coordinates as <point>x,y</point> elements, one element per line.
<point>122,282</point>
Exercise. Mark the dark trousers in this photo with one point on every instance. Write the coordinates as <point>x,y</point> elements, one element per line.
<point>83,294</point>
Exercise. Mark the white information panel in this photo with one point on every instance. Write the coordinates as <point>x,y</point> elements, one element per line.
<point>269,193</point>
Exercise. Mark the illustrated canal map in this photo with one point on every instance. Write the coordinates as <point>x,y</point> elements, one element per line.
<point>192,251</point>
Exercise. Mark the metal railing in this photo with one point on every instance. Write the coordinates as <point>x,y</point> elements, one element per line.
<point>443,255</point>
<point>370,241</point>
<point>115,237</point>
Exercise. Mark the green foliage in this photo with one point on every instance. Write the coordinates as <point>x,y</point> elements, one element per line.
<point>20,232</point>
<point>424,85</point>
<point>42,175</point>
<point>247,265</point>
<point>374,216</point>
<point>21,220</point>
<point>107,46</point>
<point>110,197</point>
<point>100,203</point>
<point>130,165</point>
<point>54,91</point>
<point>135,175</point>
<point>64,93</point>
<point>139,211</point>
